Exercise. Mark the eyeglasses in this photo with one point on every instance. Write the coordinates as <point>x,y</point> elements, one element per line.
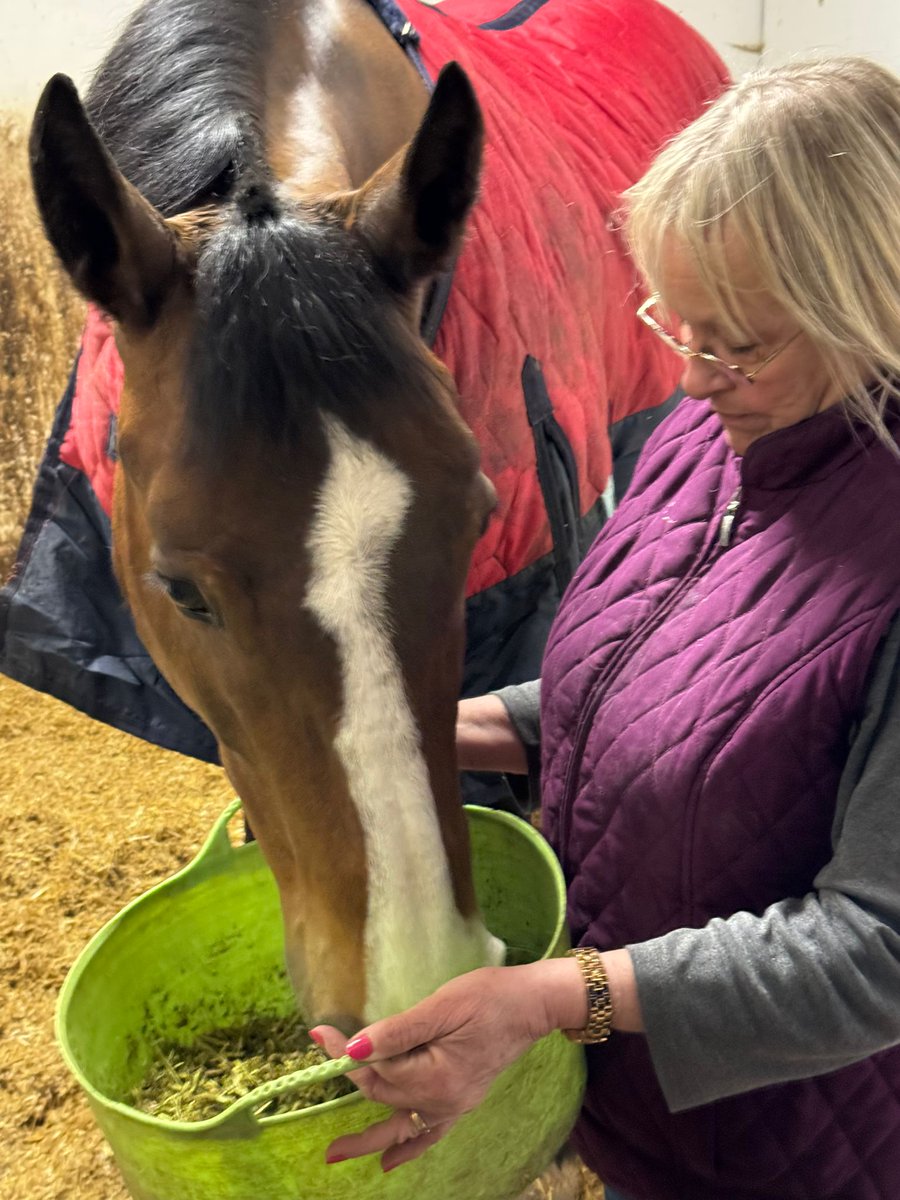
<point>731,370</point>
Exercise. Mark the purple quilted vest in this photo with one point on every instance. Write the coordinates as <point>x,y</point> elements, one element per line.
<point>700,687</point>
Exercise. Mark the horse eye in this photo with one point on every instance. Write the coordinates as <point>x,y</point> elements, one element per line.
<point>188,597</point>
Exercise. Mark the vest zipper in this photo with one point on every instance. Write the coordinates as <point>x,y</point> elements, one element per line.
<point>727,523</point>
<point>637,636</point>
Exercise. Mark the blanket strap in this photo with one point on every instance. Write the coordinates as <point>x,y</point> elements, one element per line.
<point>557,472</point>
<point>517,15</point>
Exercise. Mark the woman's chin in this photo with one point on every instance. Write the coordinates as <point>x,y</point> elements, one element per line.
<point>737,439</point>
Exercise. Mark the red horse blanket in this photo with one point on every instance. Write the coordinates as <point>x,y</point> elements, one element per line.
<point>576,101</point>
<point>539,332</point>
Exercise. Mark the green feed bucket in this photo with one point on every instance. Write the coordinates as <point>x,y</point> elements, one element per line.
<point>204,949</point>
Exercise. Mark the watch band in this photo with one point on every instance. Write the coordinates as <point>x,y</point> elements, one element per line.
<point>599,1022</point>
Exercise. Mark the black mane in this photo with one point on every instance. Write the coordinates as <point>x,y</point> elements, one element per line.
<point>178,100</point>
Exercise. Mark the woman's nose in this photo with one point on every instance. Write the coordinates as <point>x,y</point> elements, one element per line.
<point>701,380</point>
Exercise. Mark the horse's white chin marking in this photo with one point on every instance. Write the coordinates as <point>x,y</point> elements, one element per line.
<point>415,936</point>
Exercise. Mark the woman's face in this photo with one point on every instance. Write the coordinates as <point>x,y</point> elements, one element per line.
<point>794,386</point>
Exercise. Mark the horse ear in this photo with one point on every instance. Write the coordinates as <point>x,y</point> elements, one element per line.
<point>115,246</point>
<point>413,211</point>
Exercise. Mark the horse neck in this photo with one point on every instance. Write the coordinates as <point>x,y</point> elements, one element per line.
<point>329,58</point>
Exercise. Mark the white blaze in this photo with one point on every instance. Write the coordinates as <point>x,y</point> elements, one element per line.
<point>415,937</point>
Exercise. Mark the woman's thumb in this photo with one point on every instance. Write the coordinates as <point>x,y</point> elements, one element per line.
<point>391,1036</point>
<point>329,1039</point>
<point>398,1034</point>
<point>360,1047</point>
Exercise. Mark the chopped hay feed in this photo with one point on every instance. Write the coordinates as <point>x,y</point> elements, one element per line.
<point>201,1080</point>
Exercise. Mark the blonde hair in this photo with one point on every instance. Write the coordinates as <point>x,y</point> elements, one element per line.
<point>802,163</point>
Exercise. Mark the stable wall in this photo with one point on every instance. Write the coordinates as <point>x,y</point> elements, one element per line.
<point>746,32</point>
<point>733,26</point>
<point>869,27</point>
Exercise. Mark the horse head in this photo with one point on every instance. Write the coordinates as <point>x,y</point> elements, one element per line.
<point>295,509</point>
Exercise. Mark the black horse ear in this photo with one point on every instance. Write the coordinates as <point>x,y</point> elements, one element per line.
<point>413,211</point>
<point>116,247</point>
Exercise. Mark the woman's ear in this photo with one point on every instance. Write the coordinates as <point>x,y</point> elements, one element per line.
<point>116,247</point>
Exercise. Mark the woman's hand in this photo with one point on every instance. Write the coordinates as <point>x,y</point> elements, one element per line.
<point>439,1058</point>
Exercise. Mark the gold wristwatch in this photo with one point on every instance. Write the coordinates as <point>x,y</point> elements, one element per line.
<point>599,1022</point>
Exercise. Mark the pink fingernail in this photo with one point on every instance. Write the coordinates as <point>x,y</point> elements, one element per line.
<point>360,1047</point>
<point>333,1158</point>
<point>317,1037</point>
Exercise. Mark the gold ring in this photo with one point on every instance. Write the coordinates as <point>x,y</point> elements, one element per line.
<point>419,1124</point>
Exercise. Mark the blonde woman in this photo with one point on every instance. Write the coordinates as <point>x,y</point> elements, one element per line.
<point>719,712</point>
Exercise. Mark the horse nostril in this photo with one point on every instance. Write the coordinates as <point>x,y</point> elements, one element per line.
<point>490,492</point>
<point>490,500</point>
<point>348,1025</point>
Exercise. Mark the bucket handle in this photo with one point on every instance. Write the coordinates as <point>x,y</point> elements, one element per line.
<point>248,1106</point>
<point>218,847</point>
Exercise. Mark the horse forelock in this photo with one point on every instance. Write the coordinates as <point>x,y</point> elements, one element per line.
<point>292,318</point>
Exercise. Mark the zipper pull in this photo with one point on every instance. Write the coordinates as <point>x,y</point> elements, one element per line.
<point>727,524</point>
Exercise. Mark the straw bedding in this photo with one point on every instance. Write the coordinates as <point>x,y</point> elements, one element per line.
<point>92,818</point>
<point>40,323</point>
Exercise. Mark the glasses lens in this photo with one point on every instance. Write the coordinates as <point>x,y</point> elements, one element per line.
<point>678,333</point>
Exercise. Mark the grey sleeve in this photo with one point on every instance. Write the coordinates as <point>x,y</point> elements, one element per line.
<point>523,703</point>
<point>812,984</point>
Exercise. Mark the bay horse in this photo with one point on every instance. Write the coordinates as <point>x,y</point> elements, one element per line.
<point>297,499</point>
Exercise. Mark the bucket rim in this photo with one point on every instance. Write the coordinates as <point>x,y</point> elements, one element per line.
<point>213,855</point>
